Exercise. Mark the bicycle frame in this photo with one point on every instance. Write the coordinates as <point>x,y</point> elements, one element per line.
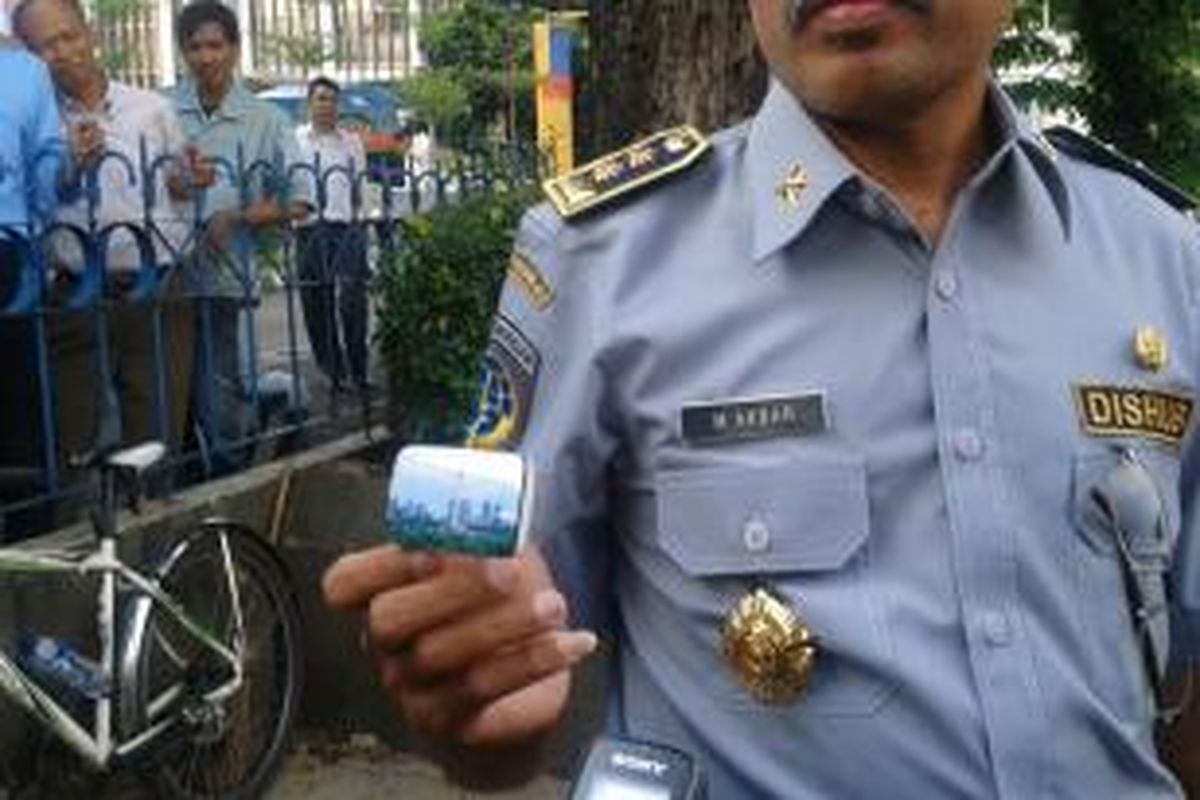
<point>98,747</point>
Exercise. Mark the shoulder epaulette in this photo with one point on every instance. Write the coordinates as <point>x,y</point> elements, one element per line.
<point>1076,145</point>
<point>625,171</point>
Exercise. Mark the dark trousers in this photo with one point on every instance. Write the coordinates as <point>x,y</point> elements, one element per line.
<point>333,278</point>
<point>20,388</point>
<point>220,394</point>
<point>133,389</point>
<point>23,406</point>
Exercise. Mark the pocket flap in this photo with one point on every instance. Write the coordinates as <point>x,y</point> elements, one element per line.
<point>801,516</point>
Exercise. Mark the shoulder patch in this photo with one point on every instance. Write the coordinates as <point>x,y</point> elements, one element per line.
<point>625,171</point>
<point>1084,148</point>
<point>510,372</point>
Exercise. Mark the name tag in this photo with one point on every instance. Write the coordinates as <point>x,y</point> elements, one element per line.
<point>1127,411</point>
<point>764,418</point>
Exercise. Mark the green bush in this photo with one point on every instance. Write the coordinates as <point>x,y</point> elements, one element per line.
<point>436,302</point>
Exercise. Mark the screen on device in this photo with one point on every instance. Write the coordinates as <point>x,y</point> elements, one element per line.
<point>614,787</point>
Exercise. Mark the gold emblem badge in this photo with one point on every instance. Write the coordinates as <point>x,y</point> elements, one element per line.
<point>525,274</point>
<point>1150,347</point>
<point>770,648</point>
<point>791,191</point>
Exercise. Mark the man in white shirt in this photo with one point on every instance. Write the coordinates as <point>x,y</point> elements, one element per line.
<point>119,203</point>
<point>421,150</point>
<point>331,242</point>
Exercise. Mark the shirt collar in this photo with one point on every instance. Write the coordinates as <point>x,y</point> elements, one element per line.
<point>1018,132</point>
<point>785,142</point>
<point>795,168</point>
<point>71,106</point>
<point>309,131</point>
<point>232,107</point>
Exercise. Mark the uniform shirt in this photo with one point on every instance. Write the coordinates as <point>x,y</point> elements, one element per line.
<point>31,140</point>
<point>141,133</point>
<point>335,160</point>
<point>252,143</point>
<point>937,533</point>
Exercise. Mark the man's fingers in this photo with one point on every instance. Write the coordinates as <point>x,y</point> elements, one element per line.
<point>502,698</point>
<point>451,649</point>
<point>87,147</point>
<point>355,579</point>
<point>519,716</point>
<point>527,665</point>
<point>396,616</point>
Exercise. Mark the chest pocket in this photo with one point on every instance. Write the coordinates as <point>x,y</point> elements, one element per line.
<point>803,528</point>
<point>1151,508</point>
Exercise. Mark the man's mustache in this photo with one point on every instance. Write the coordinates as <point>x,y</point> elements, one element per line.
<point>800,11</point>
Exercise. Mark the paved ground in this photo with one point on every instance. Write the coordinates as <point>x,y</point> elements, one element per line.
<point>349,768</point>
<point>362,769</point>
<point>279,323</point>
<point>284,351</point>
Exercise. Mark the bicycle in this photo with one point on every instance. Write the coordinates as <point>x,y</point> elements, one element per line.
<point>199,659</point>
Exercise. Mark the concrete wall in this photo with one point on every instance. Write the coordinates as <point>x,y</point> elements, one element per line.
<point>315,507</point>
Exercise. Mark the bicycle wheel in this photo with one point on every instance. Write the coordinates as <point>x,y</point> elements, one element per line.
<point>227,749</point>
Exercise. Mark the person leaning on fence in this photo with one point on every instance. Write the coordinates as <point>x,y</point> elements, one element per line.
<point>120,137</point>
<point>331,242</point>
<point>241,148</point>
<point>32,148</point>
<point>872,423</point>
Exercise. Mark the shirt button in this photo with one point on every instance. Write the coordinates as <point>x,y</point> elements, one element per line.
<point>946,286</point>
<point>968,445</point>
<point>756,536</point>
<point>996,629</point>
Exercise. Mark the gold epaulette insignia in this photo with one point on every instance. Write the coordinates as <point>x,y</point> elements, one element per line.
<point>620,173</point>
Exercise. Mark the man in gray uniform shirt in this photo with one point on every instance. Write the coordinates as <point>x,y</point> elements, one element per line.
<point>872,421</point>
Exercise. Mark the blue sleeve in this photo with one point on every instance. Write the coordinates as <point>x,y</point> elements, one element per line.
<point>44,140</point>
<point>544,392</point>
<point>1185,575</point>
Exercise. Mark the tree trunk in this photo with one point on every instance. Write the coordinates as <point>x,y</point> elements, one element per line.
<point>1141,91</point>
<point>658,63</point>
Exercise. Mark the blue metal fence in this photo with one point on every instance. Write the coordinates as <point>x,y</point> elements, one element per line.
<point>144,349</point>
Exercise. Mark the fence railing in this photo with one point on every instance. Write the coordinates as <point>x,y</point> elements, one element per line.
<point>127,323</point>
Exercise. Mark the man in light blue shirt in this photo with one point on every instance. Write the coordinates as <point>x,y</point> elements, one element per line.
<point>240,149</point>
<point>32,147</point>
<point>31,140</point>
<point>872,422</point>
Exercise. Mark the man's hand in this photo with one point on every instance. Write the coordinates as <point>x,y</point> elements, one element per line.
<point>194,172</point>
<point>472,652</point>
<point>87,142</point>
<point>200,169</point>
<point>221,228</point>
